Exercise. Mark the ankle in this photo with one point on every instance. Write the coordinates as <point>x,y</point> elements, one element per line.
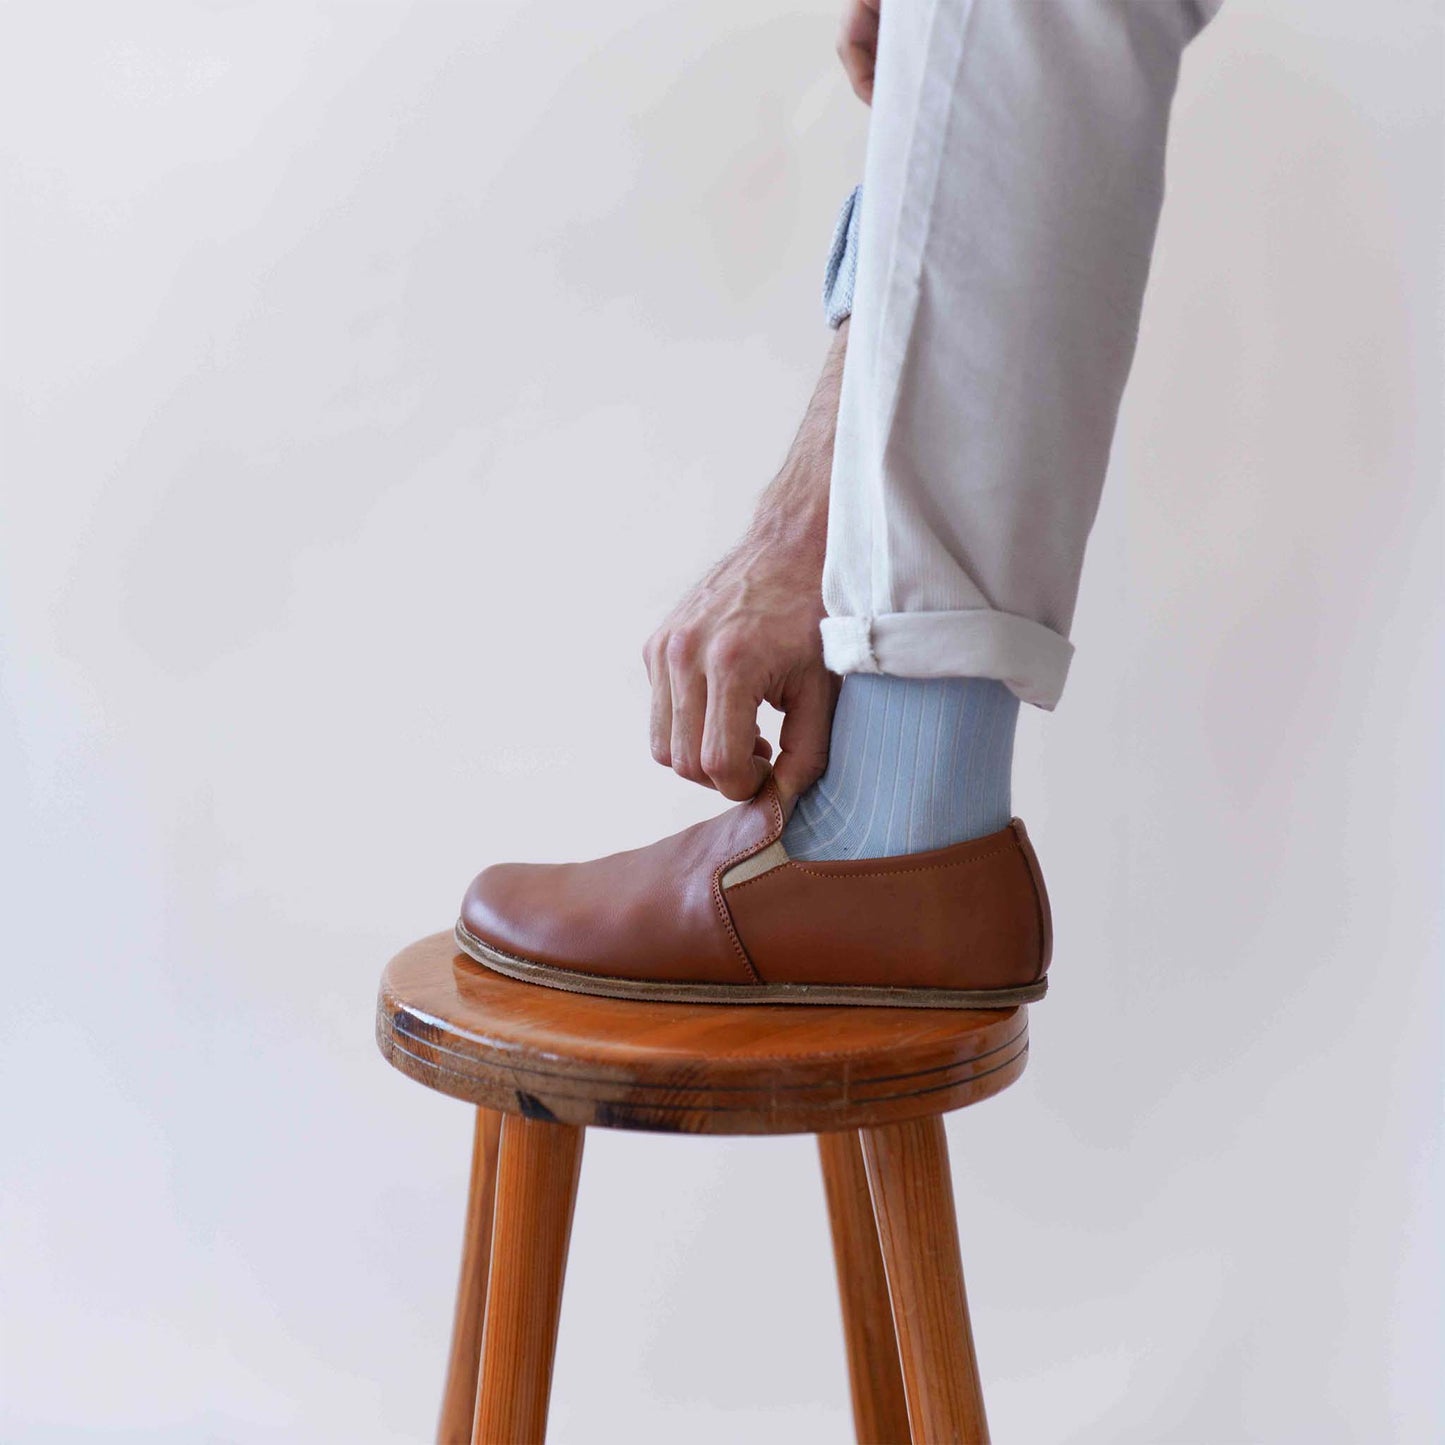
<point>915,764</point>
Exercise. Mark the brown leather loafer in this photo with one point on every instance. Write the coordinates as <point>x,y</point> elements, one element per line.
<point>720,914</point>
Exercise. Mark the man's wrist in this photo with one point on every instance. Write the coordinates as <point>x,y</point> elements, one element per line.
<point>793,512</point>
<point>794,523</point>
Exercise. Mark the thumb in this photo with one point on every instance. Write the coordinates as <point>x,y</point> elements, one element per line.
<point>803,738</point>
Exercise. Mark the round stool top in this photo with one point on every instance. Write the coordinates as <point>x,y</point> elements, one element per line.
<point>454,1025</point>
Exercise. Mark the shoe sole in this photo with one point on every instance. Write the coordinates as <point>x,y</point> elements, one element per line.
<point>851,994</point>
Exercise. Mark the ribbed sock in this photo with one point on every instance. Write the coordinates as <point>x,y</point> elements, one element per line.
<point>914,763</point>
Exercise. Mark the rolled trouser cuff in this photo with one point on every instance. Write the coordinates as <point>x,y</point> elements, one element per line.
<point>1030,659</point>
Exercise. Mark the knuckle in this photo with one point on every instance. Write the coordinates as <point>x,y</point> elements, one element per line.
<point>688,768</point>
<point>717,763</point>
<point>681,648</point>
<point>729,652</point>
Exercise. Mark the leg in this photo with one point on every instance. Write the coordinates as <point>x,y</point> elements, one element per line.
<point>913,1200</point>
<point>880,1415</point>
<point>1000,246</point>
<point>1011,190</point>
<point>459,1399</point>
<point>537,1174</point>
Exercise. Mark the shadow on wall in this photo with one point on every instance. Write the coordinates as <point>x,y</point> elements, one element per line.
<point>1281,531</point>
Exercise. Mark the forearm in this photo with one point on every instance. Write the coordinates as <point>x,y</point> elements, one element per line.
<point>792,513</point>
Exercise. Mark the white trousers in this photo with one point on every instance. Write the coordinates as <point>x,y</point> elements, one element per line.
<point>1011,193</point>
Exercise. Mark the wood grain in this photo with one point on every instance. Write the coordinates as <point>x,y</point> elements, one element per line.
<point>872,1081</point>
<point>912,1191</point>
<point>459,1397</point>
<point>519,1048</point>
<point>875,1380</point>
<point>537,1170</point>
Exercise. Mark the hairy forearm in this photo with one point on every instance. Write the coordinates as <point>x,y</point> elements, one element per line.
<point>793,512</point>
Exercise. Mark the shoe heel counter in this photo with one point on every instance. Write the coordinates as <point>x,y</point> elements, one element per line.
<point>1041,896</point>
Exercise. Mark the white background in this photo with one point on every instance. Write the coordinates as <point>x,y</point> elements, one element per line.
<point>376,376</point>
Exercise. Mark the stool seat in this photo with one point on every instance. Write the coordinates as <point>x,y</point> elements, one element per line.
<point>456,1026</point>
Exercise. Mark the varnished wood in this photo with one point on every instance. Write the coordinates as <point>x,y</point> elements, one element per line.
<point>873,1081</point>
<point>912,1191</point>
<point>537,1170</point>
<point>458,1027</point>
<point>880,1413</point>
<point>459,1398</point>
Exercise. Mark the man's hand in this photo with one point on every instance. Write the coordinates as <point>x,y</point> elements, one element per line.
<point>858,45</point>
<point>748,633</point>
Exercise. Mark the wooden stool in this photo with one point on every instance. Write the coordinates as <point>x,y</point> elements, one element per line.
<point>872,1083</point>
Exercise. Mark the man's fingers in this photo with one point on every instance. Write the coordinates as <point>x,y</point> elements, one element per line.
<point>803,740</point>
<point>858,46</point>
<point>858,65</point>
<point>730,754</point>
<point>689,709</point>
<point>659,718</point>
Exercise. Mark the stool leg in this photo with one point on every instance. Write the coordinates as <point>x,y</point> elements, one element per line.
<point>880,1413</point>
<point>537,1172</point>
<point>912,1192</point>
<point>459,1398</point>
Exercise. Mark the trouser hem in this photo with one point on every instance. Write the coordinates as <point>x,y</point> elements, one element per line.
<point>1030,659</point>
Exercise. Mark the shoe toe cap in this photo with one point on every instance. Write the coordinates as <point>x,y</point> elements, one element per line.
<point>496,908</point>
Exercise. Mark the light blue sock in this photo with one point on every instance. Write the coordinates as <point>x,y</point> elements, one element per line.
<point>914,763</point>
